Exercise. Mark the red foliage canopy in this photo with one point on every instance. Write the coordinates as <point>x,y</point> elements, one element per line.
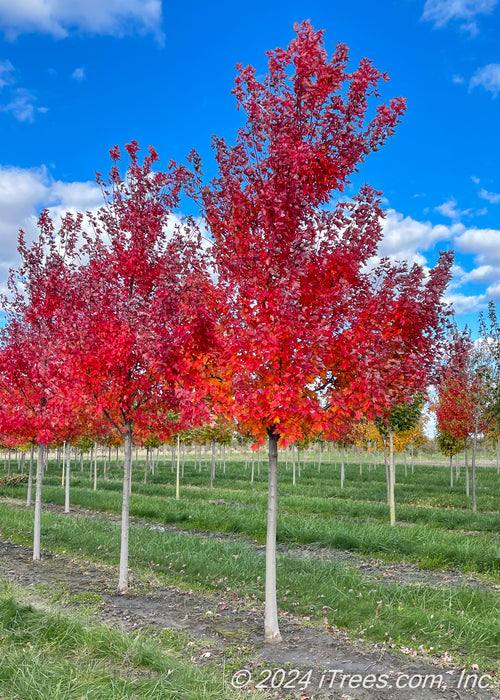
<point>314,332</point>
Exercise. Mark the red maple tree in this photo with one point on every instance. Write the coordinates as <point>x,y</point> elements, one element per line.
<point>312,333</point>
<point>138,351</point>
<point>36,403</point>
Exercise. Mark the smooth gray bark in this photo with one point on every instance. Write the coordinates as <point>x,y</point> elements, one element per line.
<point>271,627</point>
<point>38,503</point>
<point>146,467</point>
<point>68,476</point>
<point>178,471</point>
<point>467,480</point>
<point>95,469</point>
<point>212,466</point>
<point>473,472</point>
<point>387,478</point>
<point>392,479</point>
<point>342,467</point>
<point>127,474</point>
<point>30,475</point>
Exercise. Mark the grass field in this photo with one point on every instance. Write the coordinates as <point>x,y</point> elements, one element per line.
<point>48,654</point>
<point>453,609</point>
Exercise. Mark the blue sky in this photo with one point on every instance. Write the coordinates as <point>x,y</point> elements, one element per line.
<point>78,77</point>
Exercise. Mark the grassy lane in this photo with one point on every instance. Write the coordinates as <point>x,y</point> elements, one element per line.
<point>50,654</point>
<point>462,621</point>
<point>303,504</point>
<point>427,546</point>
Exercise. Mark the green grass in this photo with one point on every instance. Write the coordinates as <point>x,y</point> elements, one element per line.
<point>50,654</point>
<point>464,620</point>
<point>423,544</point>
<point>438,532</point>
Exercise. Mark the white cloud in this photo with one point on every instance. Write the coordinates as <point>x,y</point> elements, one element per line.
<point>441,12</point>
<point>63,17</point>
<point>17,100</point>
<point>23,193</point>
<point>408,239</point>
<point>450,210</point>
<point>405,238</point>
<point>21,105</point>
<point>493,291</point>
<point>483,273</point>
<point>492,197</point>
<point>484,244</point>
<point>475,179</point>
<point>464,304</point>
<point>488,78</point>
<point>79,74</point>
<point>6,73</point>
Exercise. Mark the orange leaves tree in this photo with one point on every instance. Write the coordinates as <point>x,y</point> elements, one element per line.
<point>314,333</point>
<point>34,382</point>
<point>138,350</point>
<point>112,322</point>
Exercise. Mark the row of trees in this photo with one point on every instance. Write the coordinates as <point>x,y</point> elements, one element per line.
<point>287,323</point>
<point>468,398</point>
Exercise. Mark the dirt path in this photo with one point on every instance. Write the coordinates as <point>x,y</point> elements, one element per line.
<point>329,665</point>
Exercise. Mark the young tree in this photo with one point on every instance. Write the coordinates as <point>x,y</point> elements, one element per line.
<point>464,396</point>
<point>112,322</point>
<point>139,348</point>
<point>312,332</point>
<point>34,347</point>
<point>400,418</point>
<point>449,446</point>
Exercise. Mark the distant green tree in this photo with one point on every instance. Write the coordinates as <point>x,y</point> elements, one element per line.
<point>449,446</point>
<point>402,416</point>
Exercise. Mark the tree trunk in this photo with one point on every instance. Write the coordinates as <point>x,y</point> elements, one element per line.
<point>467,488</point>
<point>293,465</point>
<point>95,469</point>
<point>271,626</point>
<point>178,471</point>
<point>451,471</point>
<point>342,467</point>
<point>127,474</point>
<point>212,467</point>
<point>145,481</point>
<point>473,472</point>
<point>38,503</point>
<point>319,457</point>
<point>68,476</point>
<point>387,470</point>
<point>30,475</point>
<point>392,478</point>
